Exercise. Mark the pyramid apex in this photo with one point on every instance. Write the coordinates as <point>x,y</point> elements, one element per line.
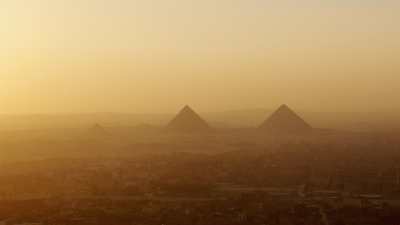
<point>284,106</point>
<point>187,107</point>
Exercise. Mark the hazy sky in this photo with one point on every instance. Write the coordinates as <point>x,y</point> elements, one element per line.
<point>157,55</point>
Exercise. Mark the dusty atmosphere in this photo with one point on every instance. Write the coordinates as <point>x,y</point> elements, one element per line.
<point>179,112</point>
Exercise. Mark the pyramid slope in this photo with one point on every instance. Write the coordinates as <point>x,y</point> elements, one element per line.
<point>188,120</point>
<point>285,120</point>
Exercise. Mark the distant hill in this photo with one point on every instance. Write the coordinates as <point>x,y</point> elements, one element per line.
<point>51,121</point>
<point>246,118</point>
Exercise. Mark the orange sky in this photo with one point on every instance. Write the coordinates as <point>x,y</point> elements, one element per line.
<point>148,56</point>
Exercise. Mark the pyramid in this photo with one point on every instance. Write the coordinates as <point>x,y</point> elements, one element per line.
<point>284,120</point>
<point>97,129</point>
<point>188,120</point>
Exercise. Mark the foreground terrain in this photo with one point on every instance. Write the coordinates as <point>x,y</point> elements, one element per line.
<point>145,176</point>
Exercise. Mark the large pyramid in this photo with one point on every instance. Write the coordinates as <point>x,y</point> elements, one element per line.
<point>188,120</point>
<point>285,121</point>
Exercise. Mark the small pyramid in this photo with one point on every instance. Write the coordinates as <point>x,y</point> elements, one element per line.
<point>284,120</point>
<point>188,120</point>
<point>97,129</point>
